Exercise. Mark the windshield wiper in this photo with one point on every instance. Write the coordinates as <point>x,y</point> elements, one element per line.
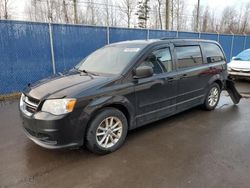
<point>91,74</point>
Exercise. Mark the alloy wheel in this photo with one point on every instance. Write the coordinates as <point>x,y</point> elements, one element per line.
<point>109,132</point>
<point>213,96</point>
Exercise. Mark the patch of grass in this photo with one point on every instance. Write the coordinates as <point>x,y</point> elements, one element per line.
<point>10,96</point>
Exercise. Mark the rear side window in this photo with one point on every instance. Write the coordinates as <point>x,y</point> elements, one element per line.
<point>213,52</point>
<point>188,56</point>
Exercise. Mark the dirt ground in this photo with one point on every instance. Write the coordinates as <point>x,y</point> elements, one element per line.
<point>192,149</point>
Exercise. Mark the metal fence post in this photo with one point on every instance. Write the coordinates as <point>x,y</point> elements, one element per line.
<point>52,49</point>
<point>245,41</point>
<point>232,46</point>
<point>107,34</point>
<point>199,34</point>
<point>177,34</point>
<point>218,36</point>
<point>147,34</point>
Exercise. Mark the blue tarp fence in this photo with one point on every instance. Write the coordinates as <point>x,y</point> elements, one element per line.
<point>30,51</point>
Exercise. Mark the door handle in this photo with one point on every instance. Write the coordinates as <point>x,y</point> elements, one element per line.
<point>170,79</point>
<point>183,76</point>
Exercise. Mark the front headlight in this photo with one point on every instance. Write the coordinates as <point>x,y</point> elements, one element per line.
<point>59,106</point>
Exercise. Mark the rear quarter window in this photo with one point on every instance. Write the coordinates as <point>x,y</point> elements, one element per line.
<point>213,52</point>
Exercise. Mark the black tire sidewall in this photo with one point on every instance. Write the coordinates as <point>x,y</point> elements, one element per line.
<point>206,104</point>
<point>91,142</point>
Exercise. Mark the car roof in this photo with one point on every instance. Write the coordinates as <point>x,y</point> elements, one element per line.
<point>159,41</point>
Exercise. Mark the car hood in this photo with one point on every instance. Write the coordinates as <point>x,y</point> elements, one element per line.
<point>67,85</point>
<point>239,65</point>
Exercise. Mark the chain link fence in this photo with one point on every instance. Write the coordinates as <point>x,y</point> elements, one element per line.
<point>30,51</point>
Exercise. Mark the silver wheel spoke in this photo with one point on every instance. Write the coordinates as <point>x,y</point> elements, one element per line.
<point>109,132</point>
<point>101,128</point>
<point>106,122</point>
<point>103,138</point>
<point>115,125</point>
<point>113,134</point>
<point>112,139</point>
<point>111,121</point>
<point>106,141</point>
<point>100,133</point>
<point>117,129</point>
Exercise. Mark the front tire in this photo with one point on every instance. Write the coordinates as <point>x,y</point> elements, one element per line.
<point>107,131</point>
<point>212,97</point>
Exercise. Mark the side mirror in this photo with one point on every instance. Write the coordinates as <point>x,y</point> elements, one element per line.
<point>143,72</point>
<point>234,58</point>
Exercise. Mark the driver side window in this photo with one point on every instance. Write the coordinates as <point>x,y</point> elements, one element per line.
<point>160,60</point>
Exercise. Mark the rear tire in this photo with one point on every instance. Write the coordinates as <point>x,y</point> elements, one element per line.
<point>213,97</point>
<point>107,131</point>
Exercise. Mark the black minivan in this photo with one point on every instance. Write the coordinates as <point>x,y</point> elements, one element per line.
<point>120,87</point>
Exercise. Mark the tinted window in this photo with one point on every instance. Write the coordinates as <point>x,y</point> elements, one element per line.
<point>160,60</point>
<point>213,52</point>
<point>163,57</point>
<point>188,56</point>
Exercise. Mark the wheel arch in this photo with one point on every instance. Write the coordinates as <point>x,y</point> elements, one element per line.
<point>219,82</point>
<point>216,79</point>
<point>118,102</point>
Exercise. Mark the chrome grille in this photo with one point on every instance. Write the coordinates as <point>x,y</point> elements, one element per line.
<point>29,105</point>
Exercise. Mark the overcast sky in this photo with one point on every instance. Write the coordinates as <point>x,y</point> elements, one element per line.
<point>217,5</point>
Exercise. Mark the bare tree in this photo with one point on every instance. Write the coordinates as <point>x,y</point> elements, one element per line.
<point>159,12</point>
<point>167,12</point>
<point>113,13</point>
<point>127,7</point>
<point>36,11</point>
<point>245,19</point>
<point>154,17</point>
<point>65,12</point>
<point>106,12</point>
<point>205,20</point>
<point>48,10</point>
<point>172,14</point>
<point>91,13</point>
<point>75,11</point>
<point>228,20</point>
<point>109,12</point>
<point>196,14</point>
<point>5,9</point>
<point>180,15</point>
<point>213,22</point>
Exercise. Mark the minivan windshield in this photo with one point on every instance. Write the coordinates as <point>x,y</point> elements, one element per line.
<point>108,60</point>
<point>243,56</point>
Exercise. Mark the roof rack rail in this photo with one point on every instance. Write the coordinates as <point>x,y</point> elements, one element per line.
<point>169,38</point>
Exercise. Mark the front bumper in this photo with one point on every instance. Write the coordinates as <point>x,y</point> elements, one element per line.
<point>53,132</point>
<point>239,74</point>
